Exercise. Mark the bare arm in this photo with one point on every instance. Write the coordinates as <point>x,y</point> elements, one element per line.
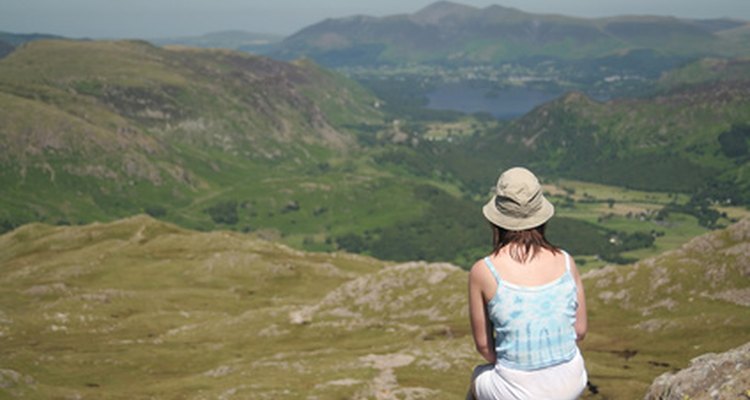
<point>581,325</point>
<point>481,326</point>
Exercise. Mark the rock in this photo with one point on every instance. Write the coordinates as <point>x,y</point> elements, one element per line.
<point>10,379</point>
<point>712,376</point>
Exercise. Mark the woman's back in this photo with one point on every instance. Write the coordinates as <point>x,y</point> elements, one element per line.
<point>533,321</point>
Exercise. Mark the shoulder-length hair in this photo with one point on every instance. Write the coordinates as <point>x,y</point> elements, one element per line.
<point>524,245</point>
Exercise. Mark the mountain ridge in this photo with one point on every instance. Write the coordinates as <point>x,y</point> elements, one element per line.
<point>462,34</point>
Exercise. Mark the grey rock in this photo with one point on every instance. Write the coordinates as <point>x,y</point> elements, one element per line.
<point>712,376</point>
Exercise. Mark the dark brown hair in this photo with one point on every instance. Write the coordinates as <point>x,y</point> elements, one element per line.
<point>524,245</point>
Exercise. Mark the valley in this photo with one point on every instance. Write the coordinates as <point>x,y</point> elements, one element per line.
<point>195,217</point>
<point>363,171</point>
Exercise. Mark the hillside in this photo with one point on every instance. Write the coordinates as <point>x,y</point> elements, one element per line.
<point>678,140</point>
<point>195,315</point>
<point>139,308</point>
<point>9,41</point>
<point>448,33</point>
<point>662,312</point>
<point>95,129</point>
<point>183,93</point>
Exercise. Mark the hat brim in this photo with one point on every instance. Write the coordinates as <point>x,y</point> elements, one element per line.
<point>518,224</point>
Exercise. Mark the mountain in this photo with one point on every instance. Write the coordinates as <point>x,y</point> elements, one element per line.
<point>5,48</point>
<point>690,135</point>
<point>738,34</point>
<point>233,40</point>
<point>97,129</point>
<point>141,308</point>
<point>447,33</point>
<point>9,41</point>
<point>719,25</point>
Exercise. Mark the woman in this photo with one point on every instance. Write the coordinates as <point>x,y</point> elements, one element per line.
<point>526,301</point>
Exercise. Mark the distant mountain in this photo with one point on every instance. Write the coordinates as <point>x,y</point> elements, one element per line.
<point>5,48</point>
<point>93,128</point>
<point>9,41</point>
<point>719,25</point>
<point>17,39</point>
<point>139,308</point>
<point>739,34</point>
<point>233,40</point>
<point>455,34</point>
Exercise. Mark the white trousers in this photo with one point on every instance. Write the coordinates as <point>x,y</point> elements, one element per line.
<point>560,382</point>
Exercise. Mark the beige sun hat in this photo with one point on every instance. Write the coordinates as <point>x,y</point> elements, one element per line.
<point>518,203</point>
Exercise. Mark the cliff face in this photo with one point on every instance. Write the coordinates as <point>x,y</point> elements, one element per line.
<point>712,376</point>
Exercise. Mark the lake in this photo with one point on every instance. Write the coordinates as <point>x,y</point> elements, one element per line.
<point>505,104</point>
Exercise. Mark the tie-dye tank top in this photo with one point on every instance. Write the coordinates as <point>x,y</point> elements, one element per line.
<point>534,324</point>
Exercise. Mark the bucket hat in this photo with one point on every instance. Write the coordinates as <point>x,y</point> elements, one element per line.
<point>518,203</point>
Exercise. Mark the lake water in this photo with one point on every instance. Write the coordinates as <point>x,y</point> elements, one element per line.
<point>505,104</point>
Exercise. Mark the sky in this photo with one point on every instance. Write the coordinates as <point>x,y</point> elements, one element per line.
<point>170,18</point>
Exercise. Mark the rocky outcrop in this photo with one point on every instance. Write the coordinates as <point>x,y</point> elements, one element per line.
<point>710,376</point>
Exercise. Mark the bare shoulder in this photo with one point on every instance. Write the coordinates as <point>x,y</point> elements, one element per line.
<point>478,271</point>
<point>573,266</point>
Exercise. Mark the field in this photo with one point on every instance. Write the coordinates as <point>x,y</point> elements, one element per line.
<point>629,211</point>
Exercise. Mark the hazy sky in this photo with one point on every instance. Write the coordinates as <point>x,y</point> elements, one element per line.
<point>159,18</point>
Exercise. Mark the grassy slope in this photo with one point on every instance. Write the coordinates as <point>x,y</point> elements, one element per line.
<point>662,312</point>
<point>669,142</point>
<point>138,308</point>
<point>195,315</point>
<point>109,128</point>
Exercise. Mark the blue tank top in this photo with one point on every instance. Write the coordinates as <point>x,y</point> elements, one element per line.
<point>534,324</point>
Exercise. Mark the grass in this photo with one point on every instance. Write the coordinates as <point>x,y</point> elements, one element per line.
<point>138,308</point>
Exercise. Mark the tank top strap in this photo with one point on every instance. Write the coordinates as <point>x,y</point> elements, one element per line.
<point>492,269</point>
<point>567,260</point>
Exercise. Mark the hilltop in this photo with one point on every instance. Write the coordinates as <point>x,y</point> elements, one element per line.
<point>142,308</point>
<point>449,33</point>
<point>101,307</point>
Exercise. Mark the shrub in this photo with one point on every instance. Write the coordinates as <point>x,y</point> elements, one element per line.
<point>155,211</point>
<point>224,212</point>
